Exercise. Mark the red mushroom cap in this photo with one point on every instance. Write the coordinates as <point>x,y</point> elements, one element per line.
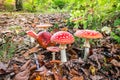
<point>62,37</point>
<point>43,38</point>
<point>53,49</point>
<point>88,34</point>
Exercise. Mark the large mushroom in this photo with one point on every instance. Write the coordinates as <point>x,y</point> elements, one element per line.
<point>44,26</point>
<point>43,38</point>
<point>53,49</point>
<point>87,34</point>
<point>63,38</point>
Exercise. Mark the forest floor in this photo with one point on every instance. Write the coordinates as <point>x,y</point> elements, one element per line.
<point>18,50</point>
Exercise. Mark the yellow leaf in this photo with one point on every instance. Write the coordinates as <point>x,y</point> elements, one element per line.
<point>92,70</point>
<point>38,78</point>
<point>17,31</point>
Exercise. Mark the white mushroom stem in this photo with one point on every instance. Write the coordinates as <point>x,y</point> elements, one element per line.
<point>87,46</point>
<point>86,43</point>
<point>53,56</point>
<point>86,53</point>
<point>63,53</point>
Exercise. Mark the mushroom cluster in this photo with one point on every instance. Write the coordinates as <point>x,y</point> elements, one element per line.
<point>63,38</point>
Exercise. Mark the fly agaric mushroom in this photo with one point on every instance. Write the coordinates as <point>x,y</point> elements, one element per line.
<point>63,38</point>
<point>44,26</point>
<point>53,50</point>
<point>43,38</point>
<point>87,34</point>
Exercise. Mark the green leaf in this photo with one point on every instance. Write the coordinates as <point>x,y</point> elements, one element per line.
<point>117,22</point>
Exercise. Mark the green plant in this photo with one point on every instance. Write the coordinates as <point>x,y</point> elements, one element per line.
<point>117,22</point>
<point>9,5</point>
<point>29,6</point>
<point>58,4</point>
<point>115,35</point>
<point>7,48</point>
<point>95,13</point>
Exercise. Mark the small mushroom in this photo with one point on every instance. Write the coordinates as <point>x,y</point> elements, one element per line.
<point>63,38</point>
<point>53,50</point>
<point>44,26</point>
<point>87,34</point>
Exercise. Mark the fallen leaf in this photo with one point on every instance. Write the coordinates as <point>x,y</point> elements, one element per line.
<point>36,20</point>
<point>22,75</point>
<point>57,76</point>
<point>2,66</point>
<point>115,63</point>
<point>74,72</point>
<point>16,68</point>
<point>33,25</point>
<point>41,57</point>
<point>25,65</point>
<point>96,77</point>
<point>38,78</point>
<point>92,70</point>
<point>32,50</point>
<point>64,29</point>
<point>78,78</point>
<point>33,67</point>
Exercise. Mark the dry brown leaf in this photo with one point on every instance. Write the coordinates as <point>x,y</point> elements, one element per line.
<point>2,68</point>
<point>36,20</point>
<point>85,71</point>
<point>33,25</point>
<point>32,77</point>
<point>33,67</point>
<point>57,76</point>
<point>78,78</point>
<point>72,71</point>
<point>115,63</point>
<point>64,29</point>
<point>64,78</point>
<point>41,57</point>
<point>32,50</point>
<point>117,45</point>
<point>16,68</point>
<point>73,54</point>
<point>96,77</point>
<point>25,65</point>
<point>22,75</point>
